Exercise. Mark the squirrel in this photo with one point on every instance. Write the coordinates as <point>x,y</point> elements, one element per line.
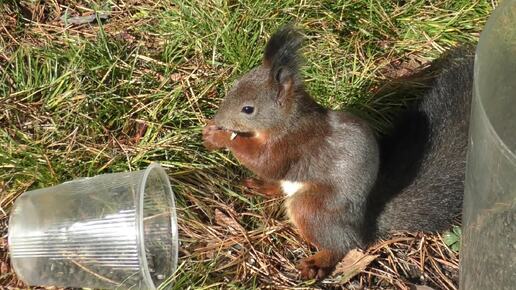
<point>345,186</point>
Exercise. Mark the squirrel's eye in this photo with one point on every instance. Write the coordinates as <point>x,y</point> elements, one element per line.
<point>248,110</point>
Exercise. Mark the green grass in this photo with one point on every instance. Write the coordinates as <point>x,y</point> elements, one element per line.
<point>117,95</point>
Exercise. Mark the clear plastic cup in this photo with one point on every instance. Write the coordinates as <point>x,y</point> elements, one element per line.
<point>109,231</point>
<point>488,250</point>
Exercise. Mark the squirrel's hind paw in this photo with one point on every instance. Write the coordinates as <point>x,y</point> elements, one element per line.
<point>308,269</point>
<point>318,266</point>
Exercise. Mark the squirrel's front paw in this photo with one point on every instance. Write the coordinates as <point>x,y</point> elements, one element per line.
<point>266,188</point>
<point>215,138</point>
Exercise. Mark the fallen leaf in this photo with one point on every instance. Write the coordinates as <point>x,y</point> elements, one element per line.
<point>224,220</point>
<point>352,264</point>
<point>176,77</point>
<point>78,20</point>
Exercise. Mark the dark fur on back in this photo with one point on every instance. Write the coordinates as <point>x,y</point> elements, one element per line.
<point>421,180</point>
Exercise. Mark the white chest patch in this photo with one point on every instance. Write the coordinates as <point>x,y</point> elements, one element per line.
<point>291,187</point>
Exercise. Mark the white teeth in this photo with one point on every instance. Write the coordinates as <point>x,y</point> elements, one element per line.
<point>233,136</point>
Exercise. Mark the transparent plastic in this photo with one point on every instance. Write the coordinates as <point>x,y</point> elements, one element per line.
<point>109,231</point>
<point>488,251</point>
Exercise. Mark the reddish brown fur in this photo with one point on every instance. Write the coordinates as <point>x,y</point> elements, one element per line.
<point>304,204</point>
<point>268,157</point>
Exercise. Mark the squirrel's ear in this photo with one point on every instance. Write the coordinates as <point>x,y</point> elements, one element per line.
<point>282,58</point>
<point>285,83</point>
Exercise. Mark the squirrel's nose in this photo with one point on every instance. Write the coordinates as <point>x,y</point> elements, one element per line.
<point>224,120</point>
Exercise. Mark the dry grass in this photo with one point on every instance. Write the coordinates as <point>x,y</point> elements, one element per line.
<point>114,96</point>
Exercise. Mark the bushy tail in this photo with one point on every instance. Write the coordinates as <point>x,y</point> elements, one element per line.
<point>421,182</point>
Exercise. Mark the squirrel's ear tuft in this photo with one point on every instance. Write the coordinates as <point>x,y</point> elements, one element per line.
<point>282,57</point>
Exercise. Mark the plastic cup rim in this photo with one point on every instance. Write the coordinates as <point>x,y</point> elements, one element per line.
<point>140,229</point>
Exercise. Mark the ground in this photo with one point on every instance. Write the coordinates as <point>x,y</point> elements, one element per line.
<point>118,93</point>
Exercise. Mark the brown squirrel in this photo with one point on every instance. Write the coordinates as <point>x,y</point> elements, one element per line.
<point>344,186</point>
